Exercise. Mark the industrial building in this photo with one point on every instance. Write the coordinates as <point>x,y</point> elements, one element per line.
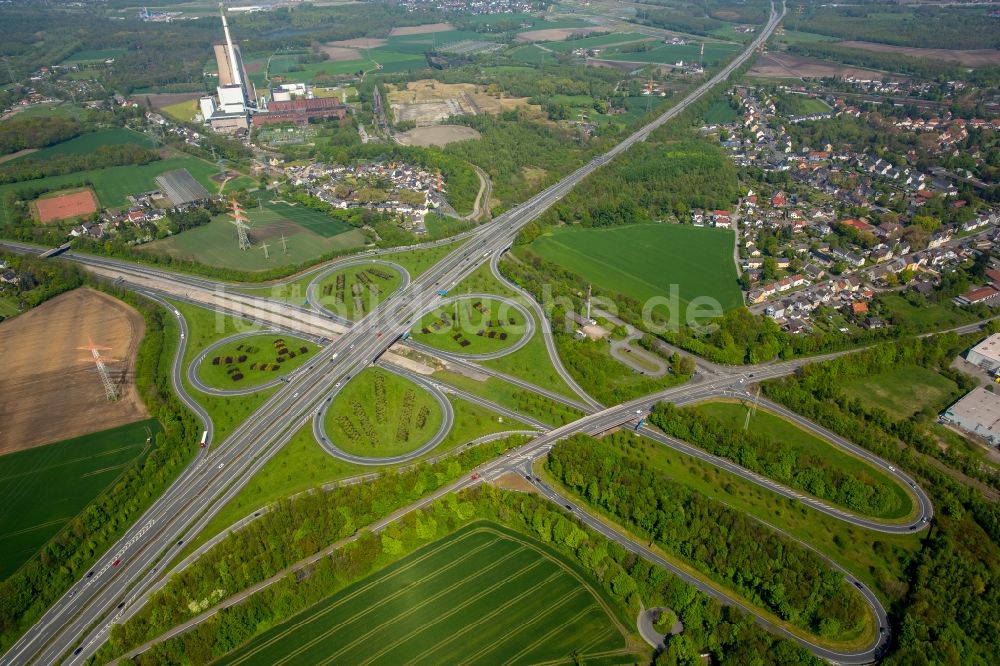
<point>986,354</point>
<point>301,111</point>
<point>236,97</point>
<point>978,413</point>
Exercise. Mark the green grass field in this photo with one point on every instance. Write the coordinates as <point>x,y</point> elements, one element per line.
<point>308,235</point>
<point>263,361</point>
<point>644,261</point>
<point>800,105</point>
<point>302,464</point>
<point>375,283</point>
<point>720,113</point>
<point>671,53</point>
<point>442,605</point>
<point>42,488</point>
<point>600,41</point>
<point>903,391</point>
<point>802,442</point>
<point>87,143</point>
<point>439,329</point>
<point>93,55</point>
<point>114,184</point>
<point>927,317</point>
<point>379,414</point>
<point>182,111</point>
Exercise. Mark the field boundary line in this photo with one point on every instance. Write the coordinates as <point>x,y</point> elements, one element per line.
<point>34,527</point>
<point>360,590</point>
<point>479,622</point>
<point>550,633</point>
<point>470,600</point>
<point>486,649</point>
<point>410,611</point>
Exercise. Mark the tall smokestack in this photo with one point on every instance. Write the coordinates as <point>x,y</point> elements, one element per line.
<point>233,66</point>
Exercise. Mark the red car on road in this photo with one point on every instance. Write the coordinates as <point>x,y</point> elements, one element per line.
<point>116,563</point>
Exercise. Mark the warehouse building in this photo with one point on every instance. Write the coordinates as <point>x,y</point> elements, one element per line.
<point>986,354</point>
<point>978,413</point>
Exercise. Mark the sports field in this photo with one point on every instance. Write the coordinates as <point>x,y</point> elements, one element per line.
<point>379,414</point>
<point>357,290</point>
<point>646,260</point>
<point>65,205</point>
<point>903,391</point>
<point>471,326</point>
<point>307,234</point>
<point>264,358</point>
<point>44,487</point>
<point>114,184</point>
<point>444,605</point>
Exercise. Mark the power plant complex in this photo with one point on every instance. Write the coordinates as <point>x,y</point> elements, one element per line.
<point>236,106</point>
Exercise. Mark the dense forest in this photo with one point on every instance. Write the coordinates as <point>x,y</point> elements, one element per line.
<point>778,460</point>
<point>922,26</point>
<point>733,549</point>
<point>20,133</point>
<point>953,606</point>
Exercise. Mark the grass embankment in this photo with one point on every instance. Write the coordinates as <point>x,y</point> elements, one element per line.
<point>357,290</point>
<point>264,358</point>
<point>440,603</point>
<point>512,397</point>
<point>471,326</point>
<point>902,392</point>
<point>204,328</point>
<point>806,445</point>
<point>44,487</point>
<point>380,414</point>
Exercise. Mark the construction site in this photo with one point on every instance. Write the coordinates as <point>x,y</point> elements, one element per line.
<point>426,102</point>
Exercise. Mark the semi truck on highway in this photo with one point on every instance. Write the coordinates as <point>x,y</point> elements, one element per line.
<point>204,440</point>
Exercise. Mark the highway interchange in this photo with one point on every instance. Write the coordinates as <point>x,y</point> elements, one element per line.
<point>76,625</point>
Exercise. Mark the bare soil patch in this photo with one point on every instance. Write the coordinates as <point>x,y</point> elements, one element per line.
<point>437,135</point>
<point>337,53</point>
<point>51,390</point>
<point>511,481</point>
<point>968,58</point>
<point>427,102</point>
<point>168,99</point>
<point>421,29</point>
<point>786,66</point>
<point>359,43</point>
<point>555,34</point>
<point>66,206</point>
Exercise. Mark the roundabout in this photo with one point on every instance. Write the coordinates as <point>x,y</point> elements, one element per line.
<point>349,290</point>
<point>247,362</point>
<point>474,326</point>
<point>380,417</point>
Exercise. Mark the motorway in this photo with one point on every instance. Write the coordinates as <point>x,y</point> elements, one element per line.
<point>121,579</point>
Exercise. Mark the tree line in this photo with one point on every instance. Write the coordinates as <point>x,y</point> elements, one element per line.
<point>21,133</point>
<point>777,459</point>
<point>952,607</point>
<point>770,570</point>
<point>101,157</point>
<point>622,579</point>
<point>39,279</point>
